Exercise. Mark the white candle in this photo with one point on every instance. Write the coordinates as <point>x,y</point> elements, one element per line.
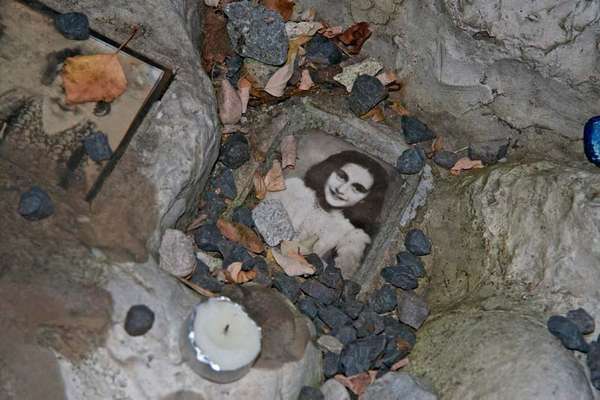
<point>224,335</point>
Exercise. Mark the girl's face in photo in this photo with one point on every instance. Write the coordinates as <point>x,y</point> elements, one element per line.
<point>348,185</point>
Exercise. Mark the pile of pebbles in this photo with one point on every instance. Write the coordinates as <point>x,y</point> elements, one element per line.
<point>570,330</point>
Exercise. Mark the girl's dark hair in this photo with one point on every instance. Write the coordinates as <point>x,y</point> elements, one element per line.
<point>364,214</point>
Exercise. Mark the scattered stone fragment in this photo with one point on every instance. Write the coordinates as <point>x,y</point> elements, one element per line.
<point>73,25</point>
<point>401,277</point>
<point>331,364</point>
<point>445,159</point>
<point>139,320</point>
<point>97,147</point>
<point>310,393</point>
<point>333,316</point>
<point>263,275</point>
<point>593,363</point>
<point>358,356</point>
<point>568,333</point>
<point>393,353</point>
<point>415,131</point>
<point>233,252</point>
<point>273,222</point>
<point>396,329</point>
<point>330,343</point>
<point>225,183</point>
<point>318,291</point>
<point>411,161</point>
<point>314,260</point>
<point>412,309</point>
<point>243,215</point>
<point>334,390</point>
<point>256,32</point>
<point>202,278</point>
<point>417,242</point>
<point>235,152</point>
<point>351,290</point>
<point>352,308</point>
<point>366,93</point>
<point>287,286</point>
<point>489,152</point>
<point>177,253</point>
<point>258,72</point>
<point>35,204</point>
<point>368,323</point>
<point>208,237</point>
<point>397,385</point>
<point>321,50</point>
<point>583,320</point>
<point>345,334</point>
<point>332,277</point>
<point>213,263</point>
<point>384,299</point>
<point>213,205</point>
<point>324,75</point>
<point>414,263</point>
<point>308,307</point>
<point>370,66</point>
<point>234,66</point>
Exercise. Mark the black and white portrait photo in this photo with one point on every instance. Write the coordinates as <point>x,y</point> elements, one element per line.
<point>335,196</point>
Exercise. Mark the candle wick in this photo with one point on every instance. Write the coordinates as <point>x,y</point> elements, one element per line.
<point>226,329</point>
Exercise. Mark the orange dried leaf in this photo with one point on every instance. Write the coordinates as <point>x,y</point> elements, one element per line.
<point>234,273</point>
<point>260,187</point>
<point>274,178</point>
<point>376,114</point>
<point>278,81</point>
<point>306,81</point>
<point>196,222</point>
<point>400,364</point>
<point>241,234</point>
<point>244,86</point>
<point>399,108</point>
<point>293,264</point>
<point>437,145</point>
<point>357,384</point>
<point>97,77</point>
<point>230,104</point>
<point>288,151</point>
<point>283,7</point>
<point>355,36</point>
<point>464,164</point>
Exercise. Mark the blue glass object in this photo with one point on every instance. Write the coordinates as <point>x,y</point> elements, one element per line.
<point>591,140</point>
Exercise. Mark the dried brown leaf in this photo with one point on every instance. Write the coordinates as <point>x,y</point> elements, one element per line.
<point>274,179</point>
<point>283,7</point>
<point>196,222</point>
<point>357,384</point>
<point>230,104</point>
<point>387,77</point>
<point>235,274</point>
<point>98,77</point>
<point>400,364</point>
<point>464,164</point>
<point>355,36</point>
<point>288,151</point>
<point>260,187</point>
<point>306,81</point>
<point>196,288</point>
<point>437,145</point>
<point>215,43</point>
<point>303,247</point>
<point>332,32</point>
<point>241,234</point>
<point>293,264</point>
<point>376,114</point>
<point>244,86</point>
<point>278,81</point>
<point>399,108</point>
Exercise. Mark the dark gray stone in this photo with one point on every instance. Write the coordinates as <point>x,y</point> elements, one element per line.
<point>286,285</point>
<point>593,363</point>
<point>368,323</point>
<point>334,317</point>
<point>318,291</point>
<point>345,334</point>
<point>233,252</point>
<point>321,50</point>
<point>331,364</point>
<point>568,333</point>
<point>352,308</point>
<point>411,161</point>
<point>445,159</point>
<point>316,262</point>
<point>235,152</point>
<point>395,329</point>
<point>351,290</point>
<point>256,32</point>
<point>358,356</point>
<point>583,320</point>
<point>401,277</point>
<point>263,275</point>
<point>213,205</point>
<point>398,385</point>
<point>225,184</point>
<point>202,278</point>
<point>308,307</point>
<point>139,320</point>
<point>97,147</point>
<point>415,131</point>
<point>489,152</point>
<point>35,204</point>
<point>234,66</point>
<point>393,353</point>
<point>414,263</point>
<point>73,25</point>
<point>417,242</point>
<point>243,215</point>
<point>332,277</point>
<point>412,309</point>
<point>208,237</point>
<point>366,93</point>
<point>310,393</point>
<point>384,299</point>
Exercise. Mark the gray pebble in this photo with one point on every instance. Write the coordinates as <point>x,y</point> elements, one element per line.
<point>367,92</point>
<point>417,242</point>
<point>445,159</point>
<point>273,222</point>
<point>415,131</point>
<point>583,320</point>
<point>35,204</point>
<point>489,152</point>
<point>411,161</point>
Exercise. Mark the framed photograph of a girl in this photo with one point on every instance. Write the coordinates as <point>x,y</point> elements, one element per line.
<point>335,196</point>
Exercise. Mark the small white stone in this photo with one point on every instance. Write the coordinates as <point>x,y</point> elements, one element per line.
<point>213,263</point>
<point>330,343</point>
<point>368,67</point>
<point>333,390</point>
<point>177,253</point>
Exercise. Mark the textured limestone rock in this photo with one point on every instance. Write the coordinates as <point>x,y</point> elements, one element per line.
<point>397,385</point>
<point>177,253</point>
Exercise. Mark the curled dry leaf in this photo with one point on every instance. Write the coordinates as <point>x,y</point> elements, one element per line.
<point>274,178</point>
<point>399,108</point>
<point>235,274</point>
<point>376,114</point>
<point>293,264</point>
<point>355,36</point>
<point>332,32</point>
<point>387,77</point>
<point>283,7</point>
<point>98,77</point>
<point>465,163</point>
<point>288,151</point>
<point>260,187</point>
<point>357,384</point>
<point>278,81</point>
<point>437,145</point>
<point>306,81</point>
<point>303,247</point>
<point>230,104</point>
<point>196,222</point>
<point>400,364</point>
<point>196,288</point>
<point>244,86</point>
<point>241,234</point>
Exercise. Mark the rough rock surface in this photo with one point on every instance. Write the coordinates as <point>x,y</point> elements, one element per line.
<point>397,385</point>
